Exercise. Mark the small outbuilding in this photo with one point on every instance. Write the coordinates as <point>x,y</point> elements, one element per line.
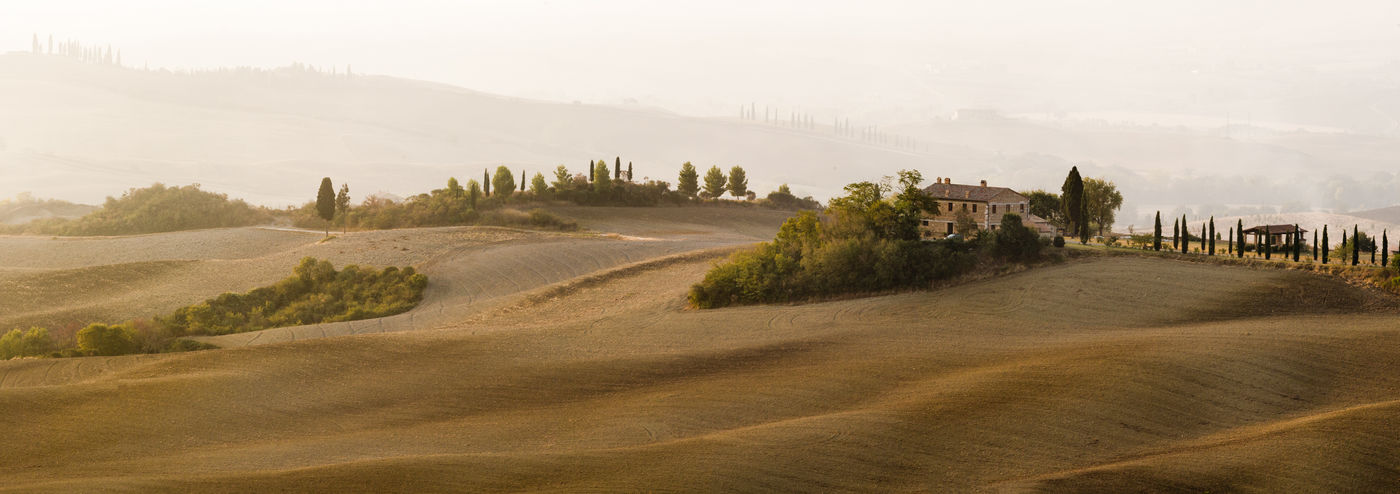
<point>1279,234</point>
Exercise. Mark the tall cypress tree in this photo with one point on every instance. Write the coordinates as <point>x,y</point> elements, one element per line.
<point>1176,233</point>
<point>325,203</point>
<point>486,183</point>
<point>1072,198</point>
<point>1314,246</point>
<point>1212,235</point>
<point>1385,248</point>
<point>1324,245</point>
<point>1185,236</point>
<point>1239,231</point>
<point>1203,238</point>
<point>591,166</point>
<point>617,169</point>
<point>1231,242</point>
<point>1355,246</point>
<point>1268,243</point>
<point>1157,233</point>
<point>629,171</point>
<point>1297,243</point>
<point>523,179</point>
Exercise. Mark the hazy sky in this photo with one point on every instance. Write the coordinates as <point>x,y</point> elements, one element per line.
<point>706,57</point>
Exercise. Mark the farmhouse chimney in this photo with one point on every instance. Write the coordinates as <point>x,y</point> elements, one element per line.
<point>984,183</point>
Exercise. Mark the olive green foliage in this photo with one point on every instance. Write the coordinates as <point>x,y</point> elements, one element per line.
<point>1101,201</point>
<point>738,182</point>
<point>503,182</point>
<point>715,182</point>
<point>865,242</point>
<point>784,199</point>
<point>316,293</point>
<point>1047,205</point>
<point>1016,242</point>
<point>1345,251</point>
<point>154,209</point>
<point>325,202</point>
<point>601,183</point>
<point>101,339</point>
<point>689,184</point>
<point>32,343</point>
<point>538,187</point>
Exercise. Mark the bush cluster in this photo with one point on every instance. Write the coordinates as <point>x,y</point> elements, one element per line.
<point>32,343</point>
<point>316,293</point>
<point>865,242</point>
<point>155,209</point>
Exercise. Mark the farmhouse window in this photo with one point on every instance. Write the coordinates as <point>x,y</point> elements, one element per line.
<point>994,209</point>
<point>950,228</point>
<point>950,207</point>
<point>1023,208</point>
<point>964,206</point>
<point>974,208</point>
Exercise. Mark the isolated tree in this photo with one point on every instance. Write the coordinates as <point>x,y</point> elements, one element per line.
<point>592,172</point>
<point>629,171</point>
<point>1325,245</point>
<point>325,203</point>
<point>1268,244</point>
<point>561,178</point>
<point>1102,200</point>
<point>486,183</point>
<point>538,185</point>
<point>714,183</point>
<point>617,169</point>
<point>738,183</point>
<point>1072,198</point>
<point>1356,245</point>
<point>1212,235</point>
<point>1230,244</point>
<point>689,183</point>
<point>503,181</point>
<point>1314,257</point>
<point>1297,243</point>
<point>473,192</point>
<point>1157,232</point>
<point>1385,248</point>
<point>1185,236</point>
<point>603,184</point>
<point>522,180</point>
<point>342,207</point>
<point>1239,230</point>
<point>1176,234</point>
<point>1203,238</point>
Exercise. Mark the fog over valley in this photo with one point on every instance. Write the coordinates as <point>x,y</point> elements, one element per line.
<point>1190,107</point>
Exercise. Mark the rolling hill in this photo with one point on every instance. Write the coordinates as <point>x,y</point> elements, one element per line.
<point>1107,374</point>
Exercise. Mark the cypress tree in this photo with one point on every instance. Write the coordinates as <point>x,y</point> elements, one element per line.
<point>591,166</point>
<point>522,180</point>
<point>1344,244</point>
<point>1185,236</point>
<point>1385,248</point>
<point>1355,246</point>
<point>1239,231</point>
<point>1203,238</point>
<point>1231,242</point>
<point>1314,246</point>
<point>1212,235</point>
<point>1268,244</point>
<point>1324,244</point>
<point>1157,233</point>
<point>486,183</point>
<point>1297,243</point>
<point>325,203</point>
<point>617,169</point>
<point>629,171</point>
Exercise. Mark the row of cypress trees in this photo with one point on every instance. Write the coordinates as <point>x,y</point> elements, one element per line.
<point>1181,240</point>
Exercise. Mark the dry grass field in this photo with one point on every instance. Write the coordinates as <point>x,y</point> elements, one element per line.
<point>529,373</point>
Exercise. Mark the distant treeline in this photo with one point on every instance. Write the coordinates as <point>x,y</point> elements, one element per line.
<point>498,197</point>
<point>315,293</point>
<point>152,210</point>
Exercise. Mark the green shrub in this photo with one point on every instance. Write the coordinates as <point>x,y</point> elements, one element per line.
<point>1059,241</point>
<point>1015,242</point>
<point>316,293</point>
<point>101,339</point>
<point>156,209</point>
<point>32,343</point>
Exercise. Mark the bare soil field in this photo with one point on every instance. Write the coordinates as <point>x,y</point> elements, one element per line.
<point>1107,374</point>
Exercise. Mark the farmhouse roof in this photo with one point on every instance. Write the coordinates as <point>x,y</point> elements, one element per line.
<point>976,193</point>
<point>1274,229</point>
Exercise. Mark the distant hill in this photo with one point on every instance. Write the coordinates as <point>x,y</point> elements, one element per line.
<point>25,209</point>
<point>1385,215</point>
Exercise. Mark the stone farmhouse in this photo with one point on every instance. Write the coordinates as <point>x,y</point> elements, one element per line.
<point>983,203</point>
